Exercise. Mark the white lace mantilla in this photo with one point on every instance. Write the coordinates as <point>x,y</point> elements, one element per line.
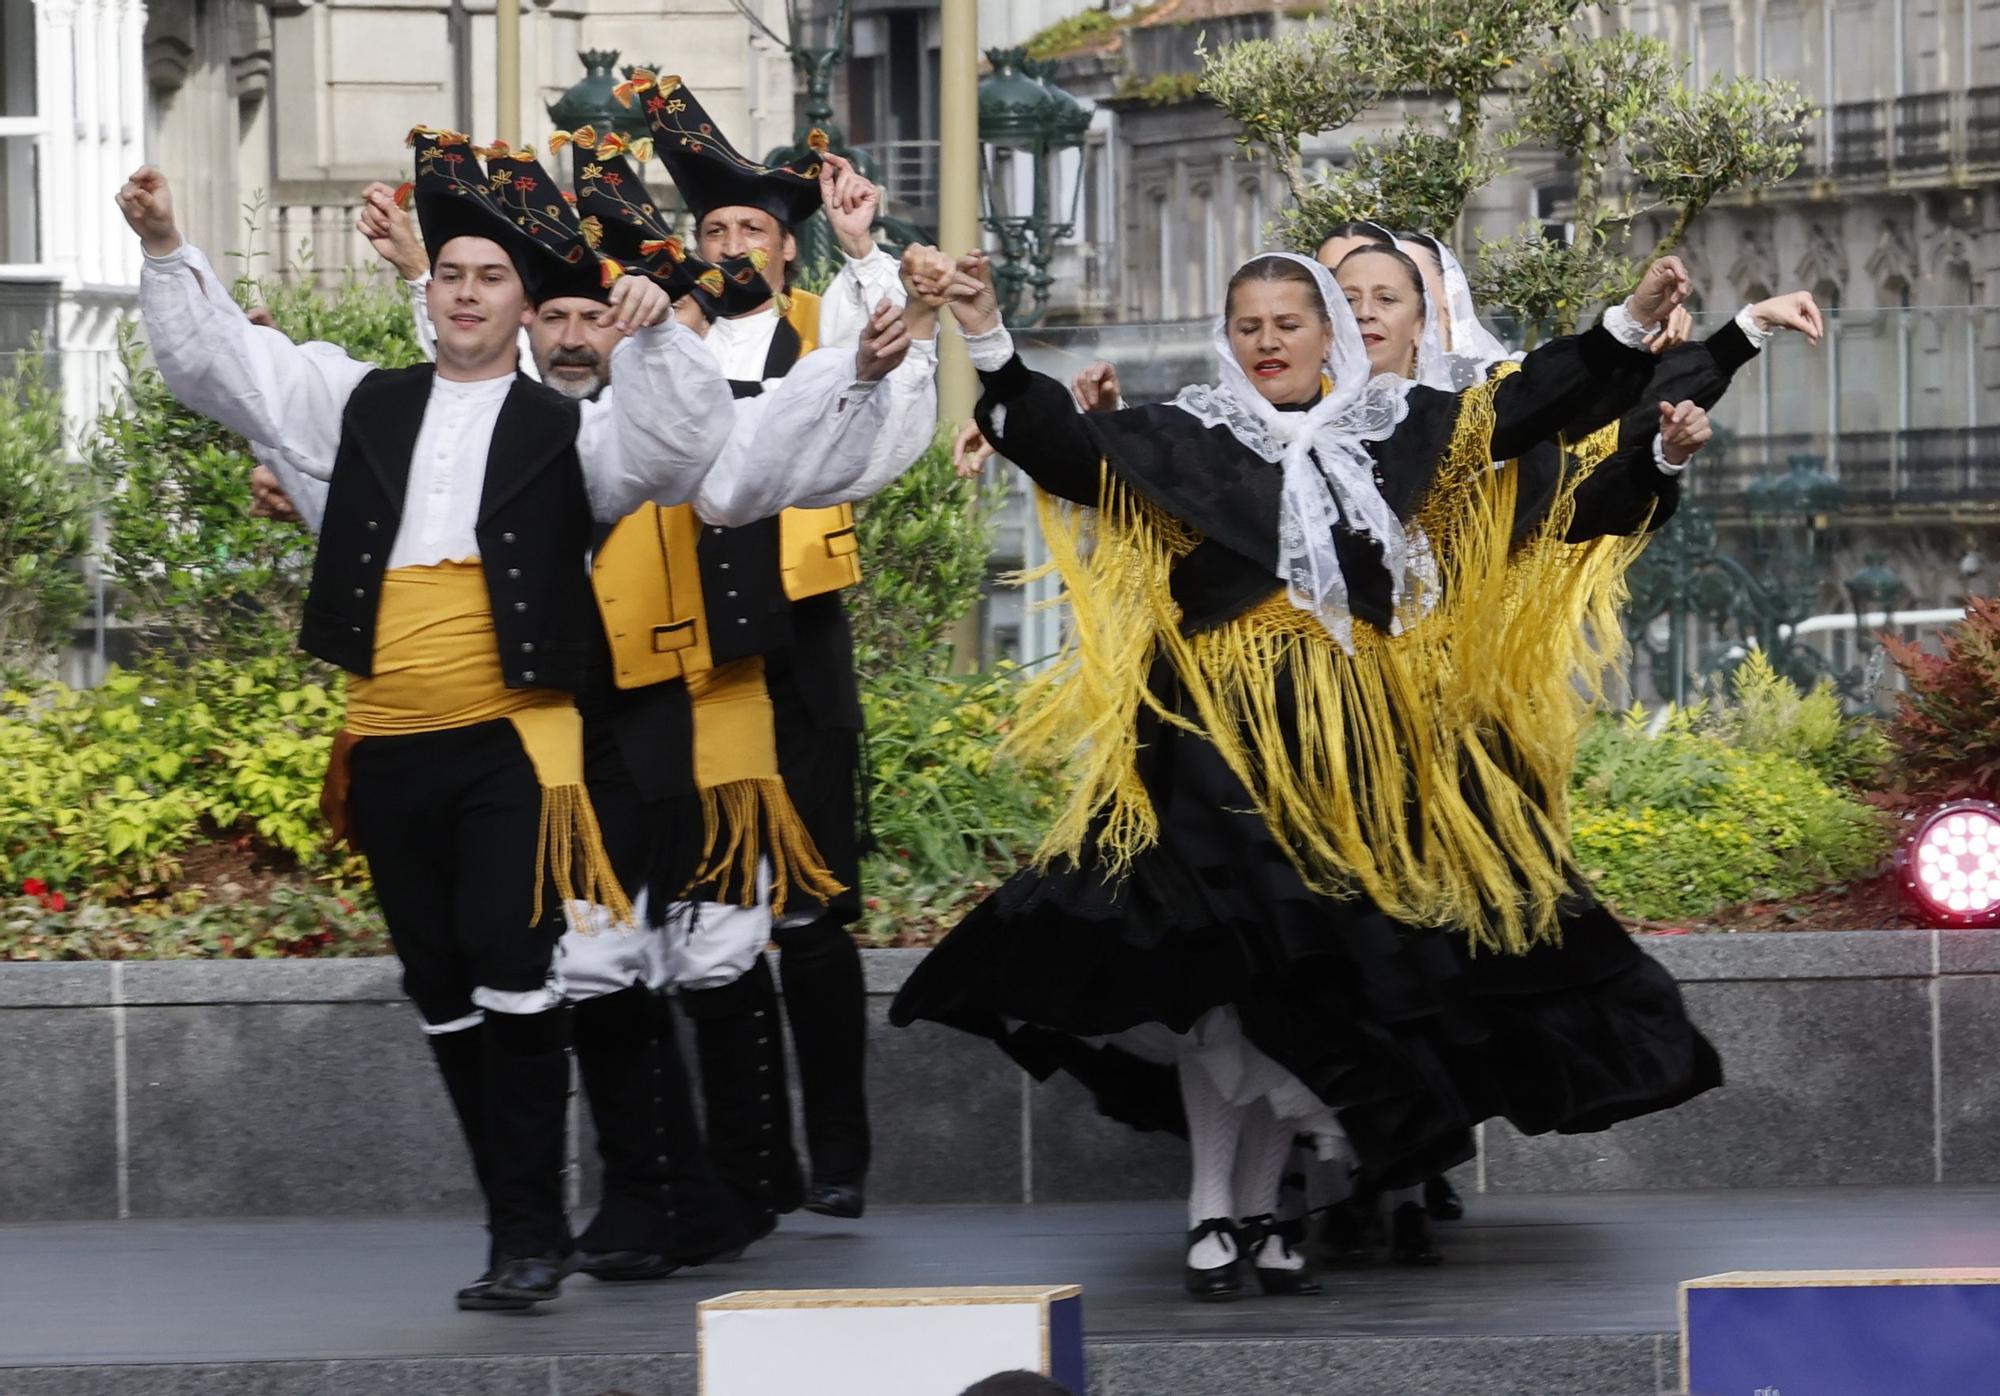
<point>1329,475</point>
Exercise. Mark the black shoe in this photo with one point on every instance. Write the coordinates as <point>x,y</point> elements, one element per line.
<point>1255,1231</point>
<point>1442,1201</point>
<point>1344,1234</point>
<point>534,1279</point>
<point>836,1200</point>
<point>620,1267</point>
<point>1223,1282</point>
<point>479,1297</point>
<point>1410,1242</point>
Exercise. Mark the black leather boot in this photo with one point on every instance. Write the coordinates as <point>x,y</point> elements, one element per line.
<point>1251,1234</point>
<point>527,1100</point>
<point>826,1003</point>
<point>743,1091</point>
<point>461,1060</point>
<point>1219,1282</point>
<point>1442,1201</point>
<point>1410,1237</point>
<point>663,1207</point>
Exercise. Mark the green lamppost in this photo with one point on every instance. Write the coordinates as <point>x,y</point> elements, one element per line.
<point>1021,109</point>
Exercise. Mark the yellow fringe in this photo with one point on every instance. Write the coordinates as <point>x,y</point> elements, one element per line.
<point>744,808</point>
<point>1427,770</point>
<point>568,820</point>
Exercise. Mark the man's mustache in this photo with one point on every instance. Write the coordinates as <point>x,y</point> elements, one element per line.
<point>575,358</point>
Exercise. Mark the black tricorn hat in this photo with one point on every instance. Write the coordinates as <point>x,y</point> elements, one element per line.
<point>544,212</point>
<point>708,171</point>
<point>454,200</point>
<point>623,220</point>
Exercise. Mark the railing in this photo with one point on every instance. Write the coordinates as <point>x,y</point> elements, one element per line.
<point>1923,130</point>
<point>908,174</point>
<point>1932,465</point>
<point>1860,138</point>
<point>1982,124</point>
<point>1919,133</point>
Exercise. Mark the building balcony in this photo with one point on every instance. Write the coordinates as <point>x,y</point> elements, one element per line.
<point>1916,136</point>
<point>908,174</point>
<point>1923,470</point>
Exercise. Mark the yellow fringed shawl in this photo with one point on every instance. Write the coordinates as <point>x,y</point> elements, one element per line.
<point>1431,766</point>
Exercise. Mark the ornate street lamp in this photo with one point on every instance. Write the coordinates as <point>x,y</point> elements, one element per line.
<point>590,103</point>
<point>1684,575</point>
<point>1022,109</point>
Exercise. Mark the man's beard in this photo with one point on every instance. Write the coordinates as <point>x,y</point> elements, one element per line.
<point>578,388</point>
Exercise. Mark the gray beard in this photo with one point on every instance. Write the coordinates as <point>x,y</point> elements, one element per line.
<point>578,390</point>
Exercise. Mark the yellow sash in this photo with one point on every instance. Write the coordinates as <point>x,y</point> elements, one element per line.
<point>436,669</point>
<point>736,769</point>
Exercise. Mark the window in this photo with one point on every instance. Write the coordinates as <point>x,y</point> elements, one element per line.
<point>19,127</point>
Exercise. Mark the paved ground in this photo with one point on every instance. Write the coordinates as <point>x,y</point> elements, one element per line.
<point>1543,1266</point>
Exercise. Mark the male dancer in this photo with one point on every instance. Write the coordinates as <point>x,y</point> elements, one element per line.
<point>646,737</point>
<point>772,591</point>
<point>450,585</point>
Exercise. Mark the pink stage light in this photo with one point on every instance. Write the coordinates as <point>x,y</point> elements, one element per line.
<point>1951,865</point>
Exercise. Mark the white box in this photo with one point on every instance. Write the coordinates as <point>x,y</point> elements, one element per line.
<point>886,1342</point>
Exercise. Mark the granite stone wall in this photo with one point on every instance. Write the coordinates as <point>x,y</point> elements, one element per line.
<point>303,1088</point>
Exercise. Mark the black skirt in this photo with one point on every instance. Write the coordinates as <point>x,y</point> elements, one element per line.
<point>1409,1036</point>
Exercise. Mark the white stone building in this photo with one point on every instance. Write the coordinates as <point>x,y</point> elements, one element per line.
<point>270,116</point>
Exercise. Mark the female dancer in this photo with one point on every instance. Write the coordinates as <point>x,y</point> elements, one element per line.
<point>1289,798</point>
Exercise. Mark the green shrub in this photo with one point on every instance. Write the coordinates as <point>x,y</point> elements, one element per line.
<point>45,504</point>
<point>925,541</point>
<point>104,791</point>
<point>1677,823</point>
<point>951,815</point>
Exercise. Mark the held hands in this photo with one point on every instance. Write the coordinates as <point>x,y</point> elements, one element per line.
<point>853,203</point>
<point>391,233</point>
<point>1796,311</point>
<point>1683,431</point>
<point>927,275</point>
<point>970,294</point>
<point>970,450</point>
<point>638,303</point>
<point>923,266</point>
<point>1663,288</point>
<point>1095,388</point>
<point>884,342</point>
<point>148,206</point>
<point>1675,331</point>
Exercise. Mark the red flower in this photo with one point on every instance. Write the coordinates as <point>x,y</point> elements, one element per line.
<point>345,905</point>
<point>874,903</point>
<point>525,185</point>
<point>34,887</point>
<point>655,103</point>
<point>614,180</point>
<point>56,902</point>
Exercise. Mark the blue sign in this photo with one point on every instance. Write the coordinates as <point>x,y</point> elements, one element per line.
<point>1891,1333</point>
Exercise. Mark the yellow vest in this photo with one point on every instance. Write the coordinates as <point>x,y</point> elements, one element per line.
<point>648,580</point>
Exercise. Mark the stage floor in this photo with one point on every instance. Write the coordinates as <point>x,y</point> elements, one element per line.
<point>1598,1267</point>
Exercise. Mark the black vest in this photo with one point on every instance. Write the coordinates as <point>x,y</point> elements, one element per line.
<point>534,529</point>
<point>807,644</point>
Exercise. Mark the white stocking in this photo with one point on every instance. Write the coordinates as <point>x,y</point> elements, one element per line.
<point>1214,1126</point>
<point>1260,1167</point>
